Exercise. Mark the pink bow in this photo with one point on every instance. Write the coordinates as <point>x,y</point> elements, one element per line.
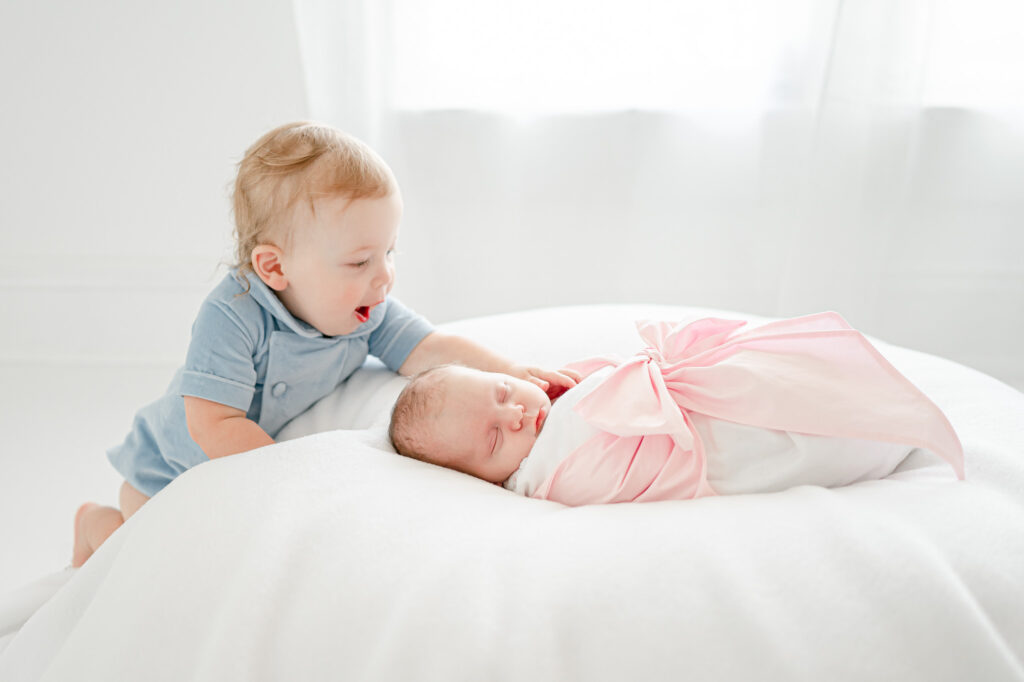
<point>813,375</point>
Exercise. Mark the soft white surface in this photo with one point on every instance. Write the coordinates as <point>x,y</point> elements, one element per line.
<point>17,606</point>
<point>327,557</point>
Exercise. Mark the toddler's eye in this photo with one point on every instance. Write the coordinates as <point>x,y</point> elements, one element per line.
<point>360,264</point>
<point>503,393</point>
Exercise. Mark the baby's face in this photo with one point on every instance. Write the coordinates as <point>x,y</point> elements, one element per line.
<point>339,263</point>
<point>487,424</point>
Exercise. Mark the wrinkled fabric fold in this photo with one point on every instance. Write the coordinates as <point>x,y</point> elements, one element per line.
<point>813,375</point>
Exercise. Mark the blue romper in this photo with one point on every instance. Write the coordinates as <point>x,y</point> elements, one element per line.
<point>248,352</point>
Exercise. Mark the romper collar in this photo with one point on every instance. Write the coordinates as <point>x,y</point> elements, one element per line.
<point>269,301</point>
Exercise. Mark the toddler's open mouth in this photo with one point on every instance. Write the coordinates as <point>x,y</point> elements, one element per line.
<point>362,313</point>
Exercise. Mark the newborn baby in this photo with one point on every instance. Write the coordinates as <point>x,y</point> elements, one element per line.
<point>505,430</point>
<point>691,415</point>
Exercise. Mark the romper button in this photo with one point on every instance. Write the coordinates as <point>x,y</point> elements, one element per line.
<point>279,389</point>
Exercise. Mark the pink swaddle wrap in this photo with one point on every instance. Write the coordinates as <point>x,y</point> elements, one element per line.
<point>814,375</point>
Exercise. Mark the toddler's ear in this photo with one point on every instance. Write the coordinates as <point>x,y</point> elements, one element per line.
<point>266,263</point>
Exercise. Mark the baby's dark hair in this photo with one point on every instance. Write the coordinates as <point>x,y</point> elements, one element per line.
<point>416,404</point>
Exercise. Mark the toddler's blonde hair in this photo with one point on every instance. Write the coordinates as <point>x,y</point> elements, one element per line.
<point>300,161</point>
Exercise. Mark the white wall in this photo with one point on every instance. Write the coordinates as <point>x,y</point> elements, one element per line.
<point>120,125</point>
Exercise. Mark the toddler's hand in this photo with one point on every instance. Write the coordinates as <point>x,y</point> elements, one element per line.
<point>553,382</point>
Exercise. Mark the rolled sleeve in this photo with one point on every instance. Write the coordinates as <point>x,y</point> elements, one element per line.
<point>217,389</point>
<point>399,332</point>
<point>219,365</point>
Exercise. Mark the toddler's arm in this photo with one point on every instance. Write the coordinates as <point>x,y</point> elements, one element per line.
<point>439,349</point>
<point>220,430</point>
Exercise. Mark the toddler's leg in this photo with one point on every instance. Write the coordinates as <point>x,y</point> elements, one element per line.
<point>94,524</point>
<point>131,500</point>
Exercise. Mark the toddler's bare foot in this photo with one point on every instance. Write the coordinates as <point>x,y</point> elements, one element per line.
<point>82,550</point>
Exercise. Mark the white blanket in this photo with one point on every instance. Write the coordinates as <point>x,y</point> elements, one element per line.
<point>328,557</point>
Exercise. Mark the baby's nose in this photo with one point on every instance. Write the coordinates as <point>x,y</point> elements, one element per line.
<point>514,417</point>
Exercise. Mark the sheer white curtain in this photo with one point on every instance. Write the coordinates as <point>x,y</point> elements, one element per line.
<point>780,158</point>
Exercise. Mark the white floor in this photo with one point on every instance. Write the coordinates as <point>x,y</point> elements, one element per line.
<point>55,426</point>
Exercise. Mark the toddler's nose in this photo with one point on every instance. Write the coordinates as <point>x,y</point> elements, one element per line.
<point>384,277</point>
